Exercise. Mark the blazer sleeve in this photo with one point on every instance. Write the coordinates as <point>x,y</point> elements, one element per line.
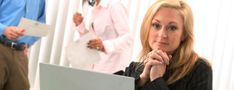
<point>157,84</point>
<point>133,71</point>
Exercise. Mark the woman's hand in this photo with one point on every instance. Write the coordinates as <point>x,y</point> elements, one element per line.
<point>145,75</point>
<point>159,61</point>
<point>155,66</point>
<point>77,18</point>
<point>96,44</point>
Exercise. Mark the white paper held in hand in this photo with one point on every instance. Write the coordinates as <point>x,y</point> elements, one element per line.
<point>81,57</point>
<point>34,28</point>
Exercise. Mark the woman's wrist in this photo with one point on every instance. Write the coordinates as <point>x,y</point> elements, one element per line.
<point>143,80</point>
<point>156,77</point>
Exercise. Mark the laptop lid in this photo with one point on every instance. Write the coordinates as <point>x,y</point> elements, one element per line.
<point>54,77</point>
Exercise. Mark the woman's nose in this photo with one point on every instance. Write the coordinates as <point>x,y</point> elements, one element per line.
<point>162,32</point>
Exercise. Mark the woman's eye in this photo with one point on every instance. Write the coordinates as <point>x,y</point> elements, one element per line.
<point>172,28</point>
<point>156,26</point>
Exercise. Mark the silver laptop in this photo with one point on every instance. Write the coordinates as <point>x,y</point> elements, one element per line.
<point>54,77</point>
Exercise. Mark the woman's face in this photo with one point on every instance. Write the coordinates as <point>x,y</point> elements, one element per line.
<point>166,30</point>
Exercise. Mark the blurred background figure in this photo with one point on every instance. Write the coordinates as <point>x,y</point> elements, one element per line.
<point>14,44</point>
<point>108,19</point>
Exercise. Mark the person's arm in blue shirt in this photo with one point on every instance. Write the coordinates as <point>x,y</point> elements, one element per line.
<point>41,17</point>
<point>2,28</point>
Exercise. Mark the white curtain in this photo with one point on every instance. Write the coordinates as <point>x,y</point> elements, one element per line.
<point>213,36</point>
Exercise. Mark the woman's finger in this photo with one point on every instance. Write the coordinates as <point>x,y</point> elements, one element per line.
<point>153,55</point>
<point>164,56</point>
<point>153,63</point>
<point>96,44</point>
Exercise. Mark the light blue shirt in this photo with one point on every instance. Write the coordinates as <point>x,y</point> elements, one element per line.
<point>11,11</point>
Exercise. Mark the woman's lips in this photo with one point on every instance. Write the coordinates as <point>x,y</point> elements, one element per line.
<point>162,43</point>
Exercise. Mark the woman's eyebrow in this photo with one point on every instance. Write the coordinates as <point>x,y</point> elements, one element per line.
<point>172,22</point>
<point>155,20</point>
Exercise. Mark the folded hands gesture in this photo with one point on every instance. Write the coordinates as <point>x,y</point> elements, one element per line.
<point>155,63</point>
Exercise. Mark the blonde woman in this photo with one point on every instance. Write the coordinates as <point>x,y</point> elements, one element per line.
<point>167,59</point>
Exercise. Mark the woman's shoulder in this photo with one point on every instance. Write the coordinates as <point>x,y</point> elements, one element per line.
<point>202,63</point>
<point>202,66</point>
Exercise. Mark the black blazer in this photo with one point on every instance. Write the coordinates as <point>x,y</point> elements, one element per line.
<point>200,78</point>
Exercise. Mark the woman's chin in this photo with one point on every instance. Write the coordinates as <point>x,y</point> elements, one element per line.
<point>159,48</point>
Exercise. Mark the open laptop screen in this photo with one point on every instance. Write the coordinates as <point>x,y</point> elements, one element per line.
<point>54,77</point>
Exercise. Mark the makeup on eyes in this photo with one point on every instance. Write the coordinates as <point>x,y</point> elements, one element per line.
<point>170,26</point>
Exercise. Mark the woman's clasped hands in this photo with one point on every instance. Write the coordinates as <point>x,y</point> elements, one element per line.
<point>155,63</point>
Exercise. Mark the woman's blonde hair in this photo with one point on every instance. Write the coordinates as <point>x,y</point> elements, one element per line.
<point>184,56</point>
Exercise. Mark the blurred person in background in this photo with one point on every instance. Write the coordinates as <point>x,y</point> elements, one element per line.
<point>14,44</point>
<point>109,21</point>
